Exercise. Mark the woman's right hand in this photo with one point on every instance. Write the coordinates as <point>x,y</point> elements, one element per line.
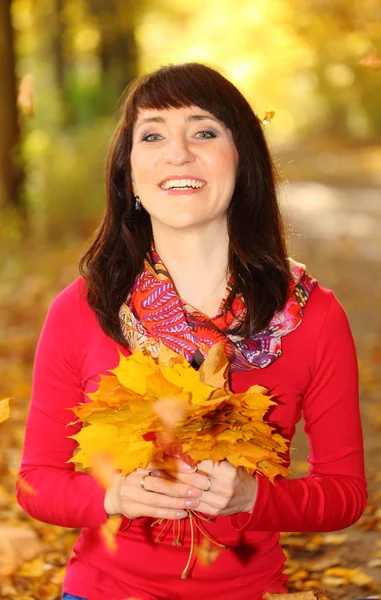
<point>161,498</point>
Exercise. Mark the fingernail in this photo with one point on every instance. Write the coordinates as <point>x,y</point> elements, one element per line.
<point>181,514</point>
<point>187,461</point>
<point>187,467</point>
<point>194,493</point>
<point>191,503</point>
<point>155,473</point>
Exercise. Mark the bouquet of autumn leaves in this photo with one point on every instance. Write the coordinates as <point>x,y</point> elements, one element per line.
<point>149,408</point>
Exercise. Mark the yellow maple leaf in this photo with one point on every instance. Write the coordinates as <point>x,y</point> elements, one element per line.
<point>309,595</point>
<point>25,98</point>
<point>171,410</point>
<point>133,370</point>
<point>269,115</point>
<point>220,451</point>
<point>168,357</point>
<point>159,387</point>
<point>22,484</point>
<point>32,568</point>
<point>109,529</point>
<point>361,579</point>
<point>230,435</point>
<point>188,380</point>
<point>213,370</point>
<point>113,392</point>
<point>207,552</point>
<point>102,467</point>
<point>4,409</point>
<point>271,469</point>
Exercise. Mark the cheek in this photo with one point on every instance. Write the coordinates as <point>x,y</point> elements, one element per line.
<point>140,164</point>
<point>224,164</point>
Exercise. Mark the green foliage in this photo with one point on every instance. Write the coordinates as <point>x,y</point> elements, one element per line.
<point>65,180</point>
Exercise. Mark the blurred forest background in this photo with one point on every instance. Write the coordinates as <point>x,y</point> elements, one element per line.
<point>314,62</point>
<point>63,67</point>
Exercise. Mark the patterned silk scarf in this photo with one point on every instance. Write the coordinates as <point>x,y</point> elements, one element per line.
<point>154,312</point>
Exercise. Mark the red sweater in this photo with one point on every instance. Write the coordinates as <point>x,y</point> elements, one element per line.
<point>316,376</point>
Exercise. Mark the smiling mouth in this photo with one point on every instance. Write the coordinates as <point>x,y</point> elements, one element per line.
<point>183,184</point>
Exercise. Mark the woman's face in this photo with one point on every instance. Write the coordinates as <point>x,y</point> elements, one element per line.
<point>184,148</point>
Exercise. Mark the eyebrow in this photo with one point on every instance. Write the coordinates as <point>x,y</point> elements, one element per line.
<point>189,118</point>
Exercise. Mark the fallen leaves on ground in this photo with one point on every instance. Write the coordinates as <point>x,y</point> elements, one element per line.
<point>32,560</point>
<point>320,564</point>
<point>17,545</point>
<point>299,596</point>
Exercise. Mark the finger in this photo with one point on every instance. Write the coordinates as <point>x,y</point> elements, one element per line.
<point>155,500</point>
<point>198,480</point>
<point>157,513</point>
<point>171,463</point>
<point>163,501</point>
<point>166,475</point>
<point>170,487</point>
<point>139,471</point>
<point>212,504</point>
<point>214,500</point>
<point>207,465</point>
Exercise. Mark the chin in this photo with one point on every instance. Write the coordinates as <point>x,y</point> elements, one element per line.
<point>182,224</point>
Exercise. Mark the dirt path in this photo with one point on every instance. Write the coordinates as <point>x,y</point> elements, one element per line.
<point>337,233</point>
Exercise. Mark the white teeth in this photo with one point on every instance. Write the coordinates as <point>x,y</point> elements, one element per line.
<point>181,184</point>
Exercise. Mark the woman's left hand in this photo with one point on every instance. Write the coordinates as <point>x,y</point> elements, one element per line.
<point>231,490</point>
<point>225,490</point>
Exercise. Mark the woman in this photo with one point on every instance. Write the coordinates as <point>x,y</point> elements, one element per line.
<point>192,215</point>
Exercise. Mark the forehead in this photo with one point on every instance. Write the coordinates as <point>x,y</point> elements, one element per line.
<point>161,115</point>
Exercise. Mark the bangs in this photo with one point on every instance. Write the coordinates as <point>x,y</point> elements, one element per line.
<point>191,84</point>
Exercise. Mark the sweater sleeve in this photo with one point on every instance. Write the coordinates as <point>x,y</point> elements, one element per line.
<point>333,495</point>
<point>61,496</point>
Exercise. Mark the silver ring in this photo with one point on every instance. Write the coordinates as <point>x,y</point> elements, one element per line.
<point>210,482</point>
<point>142,483</point>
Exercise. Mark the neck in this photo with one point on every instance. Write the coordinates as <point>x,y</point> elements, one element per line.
<point>197,261</point>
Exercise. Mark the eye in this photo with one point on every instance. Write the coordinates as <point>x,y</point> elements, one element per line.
<point>149,135</point>
<point>205,134</point>
<point>208,132</point>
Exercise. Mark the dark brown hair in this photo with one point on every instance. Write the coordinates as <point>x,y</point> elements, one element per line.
<point>257,255</point>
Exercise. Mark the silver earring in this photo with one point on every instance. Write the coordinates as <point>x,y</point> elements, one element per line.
<point>138,204</point>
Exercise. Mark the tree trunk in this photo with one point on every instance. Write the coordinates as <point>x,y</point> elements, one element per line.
<point>58,55</point>
<point>118,51</point>
<point>57,47</point>
<point>11,174</point>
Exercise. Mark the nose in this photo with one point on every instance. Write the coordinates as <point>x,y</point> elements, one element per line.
<point>178,151</point>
